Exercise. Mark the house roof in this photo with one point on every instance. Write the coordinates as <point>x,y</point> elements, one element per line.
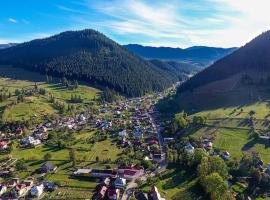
<point>48,166</point>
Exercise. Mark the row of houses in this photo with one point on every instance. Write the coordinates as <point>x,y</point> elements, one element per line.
<point>15,188</point>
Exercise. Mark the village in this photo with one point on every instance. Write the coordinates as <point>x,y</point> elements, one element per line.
<point>133,125</point>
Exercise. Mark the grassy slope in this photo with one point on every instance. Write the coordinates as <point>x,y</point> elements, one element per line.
<point>15,78</point>
<point>232,132</point>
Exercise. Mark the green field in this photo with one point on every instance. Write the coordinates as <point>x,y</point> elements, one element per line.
<point>176,184</point>
<point>231,131</point>
<point>12,79</point>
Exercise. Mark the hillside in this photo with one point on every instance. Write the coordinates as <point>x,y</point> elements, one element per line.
<point>198,55</point>
<point>240,78</point>
<point>91,57</point>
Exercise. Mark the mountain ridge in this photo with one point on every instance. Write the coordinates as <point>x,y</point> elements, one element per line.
<point>198,55</point>
<point>89,56</point>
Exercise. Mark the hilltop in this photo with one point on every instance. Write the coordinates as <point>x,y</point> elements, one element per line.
<point>91,57</point>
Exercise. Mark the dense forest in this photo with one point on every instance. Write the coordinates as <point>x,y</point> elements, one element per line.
<point>254,56</point>
<point>91,57</point>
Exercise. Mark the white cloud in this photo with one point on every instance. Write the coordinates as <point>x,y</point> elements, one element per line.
<point>227,22</point>
<point>12,20</point>
<point>64,8</point>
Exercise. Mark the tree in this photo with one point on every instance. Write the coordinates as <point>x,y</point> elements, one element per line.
<point>21,165</point>
<point>179,122</point>
<point>212,164</point>
<point>72,157</point>
<point>199,120</point>
<point>199,154</point>
<point>48,156</point>
<point>147,164</point>
<point>216,187</point>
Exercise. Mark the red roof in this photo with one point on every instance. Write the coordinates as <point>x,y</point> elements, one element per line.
<point>20,186</point>
<point>3,143</point>
<point>129,167</point>
<point>130,172</point>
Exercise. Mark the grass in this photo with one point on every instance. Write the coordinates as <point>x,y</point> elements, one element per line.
<point>231,130</point>
<point>69,193</point>
<point>104,150</point>
<point>177,184</point>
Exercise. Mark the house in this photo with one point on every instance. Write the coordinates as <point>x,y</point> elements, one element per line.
<point>82,172</point>
<point>29,182</point>
<point>122,133</point>
<point>120,182</point>
<point>113,193</point>
<point>95,173</point>
<point>50,186</point>
<point>189,148</point>
<point>18,132</point>
<point>141,196</point>
<point>19,190</point>
<point>102,192</point>
<point>225,155</point>
<point>3,189</point>
<point>48,167</point>
<point>37,191</point>
<point>42,129</point>
<point>154,194</point>
<point>13,182</point>
<point>82,117</point>
<point>4,144</point>
<point>208,145</point>
<point>129,172</point>
<point>138,134</point>
<point>30,141</point>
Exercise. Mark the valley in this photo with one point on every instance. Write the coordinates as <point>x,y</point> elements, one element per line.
<point>81,135</point>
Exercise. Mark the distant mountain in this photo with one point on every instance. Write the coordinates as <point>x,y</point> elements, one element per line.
<point>92,57</point>
<point>199,55</point>
<point>4,46</point>
<point>242,77</point>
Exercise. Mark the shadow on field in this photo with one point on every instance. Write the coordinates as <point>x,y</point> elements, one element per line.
<point>52,149</point>
<point>251,144</point>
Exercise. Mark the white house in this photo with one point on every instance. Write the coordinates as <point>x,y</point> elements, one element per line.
<point>3,189</point>
<point>122,133</point>
<point>189,148</point>
<point>37,190</point>
<point>29,140</point>
<point>225,155</point>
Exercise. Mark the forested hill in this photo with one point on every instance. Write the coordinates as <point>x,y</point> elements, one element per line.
<point>198,55</point>
<point>92,57</point>
<point>253,57</point>
<point>4,46</point>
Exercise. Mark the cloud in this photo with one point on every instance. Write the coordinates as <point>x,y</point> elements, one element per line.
<point>12,20</point>
<point>67,9</point>
<point>184,23</point>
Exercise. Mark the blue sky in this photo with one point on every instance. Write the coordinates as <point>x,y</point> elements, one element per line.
<point>175,23</point>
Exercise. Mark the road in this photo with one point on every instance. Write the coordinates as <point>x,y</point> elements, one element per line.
<point>162,165</point>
